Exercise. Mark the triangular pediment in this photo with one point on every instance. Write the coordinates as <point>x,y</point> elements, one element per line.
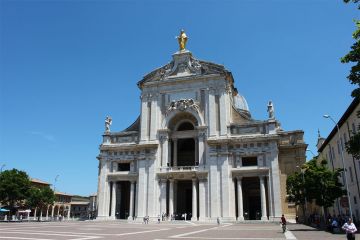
<point>183,65</point>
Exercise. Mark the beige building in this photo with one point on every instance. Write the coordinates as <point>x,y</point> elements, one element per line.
<point>60,208</point>
<point>333,148</point>
<point>195,150</point>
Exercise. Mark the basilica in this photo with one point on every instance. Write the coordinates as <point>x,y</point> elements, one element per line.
<point>195,152</point>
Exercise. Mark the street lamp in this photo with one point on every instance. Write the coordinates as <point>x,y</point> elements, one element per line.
<point>56,178</point>
<point>309,150</point>
<point>303,179</point>
<point>2,166</point>
<point>343,162</point>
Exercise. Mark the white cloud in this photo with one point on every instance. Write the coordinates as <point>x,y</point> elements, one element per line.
<point>45,136</point>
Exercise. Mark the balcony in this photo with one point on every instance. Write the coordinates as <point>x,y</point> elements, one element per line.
<point>122,176</point>
<point>250,171</point>
<point>182,172</point>
<point>179,169</point>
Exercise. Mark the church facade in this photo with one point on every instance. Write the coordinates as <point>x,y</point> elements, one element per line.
<point>195,152</point>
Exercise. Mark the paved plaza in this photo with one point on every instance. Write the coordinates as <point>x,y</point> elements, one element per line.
<point>165,231</point>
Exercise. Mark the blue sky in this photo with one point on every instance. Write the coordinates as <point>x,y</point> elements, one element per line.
<point>65,65</point>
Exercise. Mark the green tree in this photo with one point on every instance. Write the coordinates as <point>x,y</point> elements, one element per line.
<point>40,197</point>
<point>14,186</point>
<point>318,183</point>
<point>353,145</point>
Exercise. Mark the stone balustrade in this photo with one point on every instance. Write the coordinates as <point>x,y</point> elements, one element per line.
<point>179,169</point>
<point>121,137</point>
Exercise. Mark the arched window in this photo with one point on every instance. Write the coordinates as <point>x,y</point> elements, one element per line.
<point>185,126</point>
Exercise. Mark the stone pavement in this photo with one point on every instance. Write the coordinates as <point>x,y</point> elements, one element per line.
<point>89,230</point>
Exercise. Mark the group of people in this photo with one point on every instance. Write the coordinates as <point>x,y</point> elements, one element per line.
<point>343,222</point>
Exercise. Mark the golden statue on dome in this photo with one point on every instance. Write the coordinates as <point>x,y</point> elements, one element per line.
<point>182,39</point>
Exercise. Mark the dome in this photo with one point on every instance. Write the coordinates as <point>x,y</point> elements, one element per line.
<point>240,103</point>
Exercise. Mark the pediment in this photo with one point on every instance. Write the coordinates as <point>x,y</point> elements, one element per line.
<point>183,65</point>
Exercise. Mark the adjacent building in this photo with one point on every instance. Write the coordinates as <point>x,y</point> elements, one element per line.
<point>60,209</point>
<point>333,150</point>
<point>196,151</point>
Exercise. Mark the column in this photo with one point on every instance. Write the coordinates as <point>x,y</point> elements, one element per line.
<point>212,113</point>
<point>194,200</point>
<point>131,208</point>
<point>201,154</point>
<point>35,213</point>
<point>58,212</point>
<point>263,199</point>
<point>196,151</point>
<point>68,213</point>
<point>47,213</point>
<point>153,117</point>
<point>41,214</point>
<point>52,212</point>
<point>118,197</point>
<point>144,119</point>
<point>113,199</point>
<point>175,194</point>
<point>202,199</point>
<point>165,150</point>
<point>175,151</point>
<point>103,200</point>
<point>240,200</point>
<point>162,196</point>
<point>171,198</point>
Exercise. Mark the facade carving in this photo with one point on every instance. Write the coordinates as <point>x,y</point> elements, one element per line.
<point>196,151</point>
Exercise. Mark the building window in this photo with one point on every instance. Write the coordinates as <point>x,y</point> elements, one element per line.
<point>355,200</point>
<point>338,145</point>
<point>345,139</point>
<point>353,128</point>
<point>124,167</point>
<point>333,153</point>
<point>351,174</point>
<point>249,161</point>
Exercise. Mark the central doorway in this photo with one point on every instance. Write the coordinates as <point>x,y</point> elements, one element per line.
<point>122,200</point>
<point>251,198</point>
<point>183,210</point>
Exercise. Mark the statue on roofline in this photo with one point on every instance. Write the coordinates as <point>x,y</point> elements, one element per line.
<point>108,121</point>
<point>182,39</point>
<point>270,110</point>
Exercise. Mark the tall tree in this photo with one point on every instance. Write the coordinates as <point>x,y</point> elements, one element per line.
<point>40,197</point>
<point>14,186</point>
<point>317,183</point>
<point>353,145</point>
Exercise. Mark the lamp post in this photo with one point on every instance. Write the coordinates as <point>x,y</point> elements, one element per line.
<point>343,162</point>
<point>303,180</point>
<point>309,150</point>
<point>56,178</point>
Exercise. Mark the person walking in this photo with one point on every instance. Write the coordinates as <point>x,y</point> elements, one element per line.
<point>350,229</point>
<point>283,223</point>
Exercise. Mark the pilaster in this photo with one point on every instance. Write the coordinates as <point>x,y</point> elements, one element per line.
<point>194,200</point>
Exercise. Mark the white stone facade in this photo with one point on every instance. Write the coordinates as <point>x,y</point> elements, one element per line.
<point>195,151</point>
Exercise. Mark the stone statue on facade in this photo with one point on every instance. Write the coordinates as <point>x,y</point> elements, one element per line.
<point>182,105</point>
<point>270,110</point>
<point>182,39</point>
<point>108,121</point>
